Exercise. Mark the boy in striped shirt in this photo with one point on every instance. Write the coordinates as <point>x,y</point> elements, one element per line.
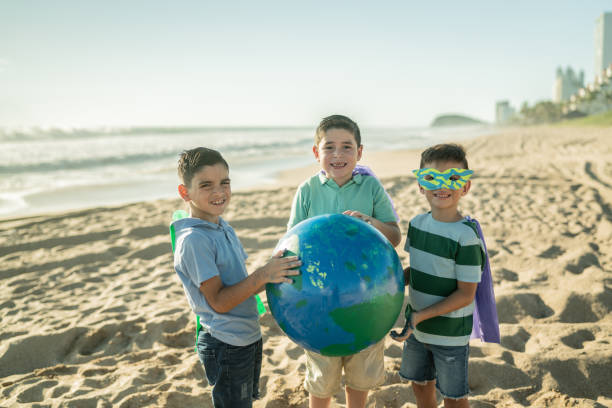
<point>446,258</point>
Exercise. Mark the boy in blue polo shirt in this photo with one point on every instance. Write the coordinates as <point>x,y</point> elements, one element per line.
<point>338,188</point>
<point>209,260</point>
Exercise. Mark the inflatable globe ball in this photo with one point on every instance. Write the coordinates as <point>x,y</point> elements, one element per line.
<point>350,289</point>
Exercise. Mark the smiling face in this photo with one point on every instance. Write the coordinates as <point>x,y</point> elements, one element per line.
<point>444,201</point>
<point>338,154</point>
<point>209,192</point>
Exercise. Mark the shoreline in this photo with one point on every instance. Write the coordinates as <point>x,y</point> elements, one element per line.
<point>385,163</point>
<point>136,184</point>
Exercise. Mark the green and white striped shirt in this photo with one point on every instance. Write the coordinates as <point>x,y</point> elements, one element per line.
<point>441,254</point>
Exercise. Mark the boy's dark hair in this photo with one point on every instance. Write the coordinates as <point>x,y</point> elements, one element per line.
<point>191,161</point>
<point>444,152</point>
<point>337,122</point>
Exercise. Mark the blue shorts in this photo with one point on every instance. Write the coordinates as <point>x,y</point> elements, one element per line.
<point>232,371</point>
<point>448,365</point>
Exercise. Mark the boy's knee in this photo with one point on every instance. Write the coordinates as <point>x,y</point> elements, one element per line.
<point>423,386</point>
<point>456,402</point>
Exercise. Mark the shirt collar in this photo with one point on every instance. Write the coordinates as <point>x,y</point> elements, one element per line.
<point>222,225</point>
<point>357,179</point>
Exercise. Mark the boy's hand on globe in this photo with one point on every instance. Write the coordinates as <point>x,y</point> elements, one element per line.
<point>359,215</point>
<point>278,268</point>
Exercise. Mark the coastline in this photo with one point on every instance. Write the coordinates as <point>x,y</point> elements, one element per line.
<point>112,325</point>
<point>127,175</point>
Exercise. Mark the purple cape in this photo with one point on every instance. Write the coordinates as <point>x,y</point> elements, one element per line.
<point>485,324</point>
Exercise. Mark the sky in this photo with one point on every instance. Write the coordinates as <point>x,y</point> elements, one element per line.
<point>75,63</point>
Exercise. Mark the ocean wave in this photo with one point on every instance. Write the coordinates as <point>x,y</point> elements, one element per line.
<point>58,133</point>
<point>66,160</point>
<point>73,164</point>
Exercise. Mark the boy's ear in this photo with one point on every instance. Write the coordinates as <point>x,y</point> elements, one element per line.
<point>183,192</point>
<point>359,152</point>
<point>315,150</point>
<point>467,186</point>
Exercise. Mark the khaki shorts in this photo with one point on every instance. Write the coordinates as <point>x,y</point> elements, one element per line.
<point>362,371</point>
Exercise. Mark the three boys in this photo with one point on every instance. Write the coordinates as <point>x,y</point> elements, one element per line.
<point>222,294</point>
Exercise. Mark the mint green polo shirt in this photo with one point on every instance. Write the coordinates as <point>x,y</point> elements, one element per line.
<point>320,195</point>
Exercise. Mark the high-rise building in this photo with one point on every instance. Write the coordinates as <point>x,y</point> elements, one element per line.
<point>503,112</point>
<point>603,42</point>
<point>566,84</point>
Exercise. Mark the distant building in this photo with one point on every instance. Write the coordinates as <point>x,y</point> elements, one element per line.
<point>594,98</point>
<point>566,84</point>
<point>503,112</point>
<point>603,43</point>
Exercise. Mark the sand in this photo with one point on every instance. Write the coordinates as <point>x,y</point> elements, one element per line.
<point>92,314</point>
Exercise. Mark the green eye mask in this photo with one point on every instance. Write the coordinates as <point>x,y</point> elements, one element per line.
<point>452,179</point>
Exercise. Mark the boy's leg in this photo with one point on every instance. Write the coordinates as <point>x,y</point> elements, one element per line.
<point>451,364</point>
<point>456,403</point>
<point>364,371</point>
<point>355,398</point>
<point>418,366</point>
<point>323,375</point>
<point>316,402</point>
<point>425,394</point>
<point>230,370</point>
<point>257,369</point>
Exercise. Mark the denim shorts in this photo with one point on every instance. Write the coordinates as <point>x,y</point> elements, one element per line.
<point>448,365</point>
<point>232,371</point>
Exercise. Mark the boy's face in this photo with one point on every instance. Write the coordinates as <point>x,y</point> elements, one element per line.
<point>209,193</point>
<point>338,154</point>
<point>444,199</point>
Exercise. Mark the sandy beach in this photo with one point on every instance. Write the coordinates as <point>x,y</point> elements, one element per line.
<point>93,315</point>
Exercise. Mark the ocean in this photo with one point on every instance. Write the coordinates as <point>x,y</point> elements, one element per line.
<point>49,170</point>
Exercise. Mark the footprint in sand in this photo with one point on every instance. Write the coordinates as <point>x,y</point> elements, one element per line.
<point>487,375</point>
<point>35,393</point>
<point>585,260</point>
<point>148,232</point>
<point>511,308</point>
<point>578,308</point>
<point>577,379</point>
<point>552,252</point>
<point>153,251</point>
<point>504,275</point>
<point>178,340</point>
<point>577,339</point>
<point>516,340</point>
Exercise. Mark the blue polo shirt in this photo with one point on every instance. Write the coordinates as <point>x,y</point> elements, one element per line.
<point>204,250</point>
<point>321,195</point>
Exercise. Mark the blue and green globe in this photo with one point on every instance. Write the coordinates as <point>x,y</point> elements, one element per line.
<point>350,290</point>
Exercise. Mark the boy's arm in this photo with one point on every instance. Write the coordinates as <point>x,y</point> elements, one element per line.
<point>224,298</point>
<point>469,259</point>
<point>461,297</point>
<point>383,210</point>
<point>299,211</point>
<point>389,229</point>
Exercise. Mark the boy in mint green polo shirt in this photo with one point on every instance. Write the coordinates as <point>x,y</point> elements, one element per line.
<point>339,188</point>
